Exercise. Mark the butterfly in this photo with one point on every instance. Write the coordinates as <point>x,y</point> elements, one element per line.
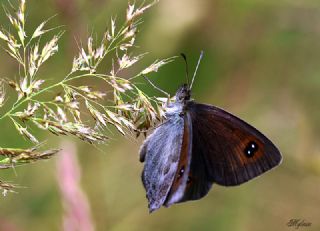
<point>199,145</point>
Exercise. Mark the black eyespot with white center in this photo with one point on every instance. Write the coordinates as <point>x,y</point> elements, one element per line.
<point>181,172</point>
<point>251,149</point>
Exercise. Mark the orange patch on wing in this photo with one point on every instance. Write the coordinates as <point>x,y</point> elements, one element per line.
<point>183,161</point>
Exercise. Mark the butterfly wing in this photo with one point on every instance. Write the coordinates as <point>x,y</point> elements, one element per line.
<point>161,154</point>
<point>231,150</point>
<point>191,180</point>
<point>181,179</point>
<point>198,183</point>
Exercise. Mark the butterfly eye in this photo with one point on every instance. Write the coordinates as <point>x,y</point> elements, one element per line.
<point>251,149</point>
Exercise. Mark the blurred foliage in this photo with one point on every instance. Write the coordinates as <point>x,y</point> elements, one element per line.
<point>260,63</point>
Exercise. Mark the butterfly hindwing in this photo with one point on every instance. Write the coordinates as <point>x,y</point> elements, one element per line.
<point>161,154</point>
<point>180,182</point>
<point>191,180</point>
<point>198,183</point>
<point>232,150</point>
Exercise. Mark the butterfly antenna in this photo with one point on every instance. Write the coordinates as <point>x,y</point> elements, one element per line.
<point>195,72</point>
<point>155,87</point>
<point>187,68</point>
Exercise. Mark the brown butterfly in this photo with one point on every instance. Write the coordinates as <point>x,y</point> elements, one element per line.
<point>198,145</point>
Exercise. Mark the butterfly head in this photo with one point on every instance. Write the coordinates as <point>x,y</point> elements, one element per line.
<point>183,93</point>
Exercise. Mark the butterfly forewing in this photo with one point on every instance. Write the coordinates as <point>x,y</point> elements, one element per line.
<point>232,150</point>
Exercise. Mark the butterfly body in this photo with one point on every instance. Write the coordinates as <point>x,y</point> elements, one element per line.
<point>198,145</point>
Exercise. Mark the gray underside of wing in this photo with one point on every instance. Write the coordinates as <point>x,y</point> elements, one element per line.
<point>161,153</point>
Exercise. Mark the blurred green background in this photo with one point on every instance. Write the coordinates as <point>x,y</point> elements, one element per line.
<point>261,63</point>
